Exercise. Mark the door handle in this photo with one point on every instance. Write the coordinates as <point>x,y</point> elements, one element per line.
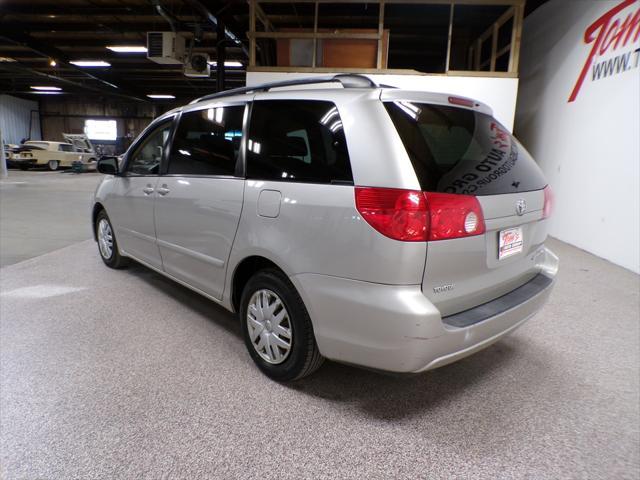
<point>148,190</point>
<point>163,190</point>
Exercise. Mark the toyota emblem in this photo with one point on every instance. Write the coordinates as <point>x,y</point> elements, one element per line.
<point>521,207</point>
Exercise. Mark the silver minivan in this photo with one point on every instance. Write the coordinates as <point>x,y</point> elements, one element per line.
<point>392,229</point>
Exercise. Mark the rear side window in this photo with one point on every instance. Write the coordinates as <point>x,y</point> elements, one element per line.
<point>207,142</point>
<point>297,141</point>
<point>454,150</point>
<point>65,148</point>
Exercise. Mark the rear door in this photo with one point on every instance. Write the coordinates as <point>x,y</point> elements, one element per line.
<point>68,154</point>
<point>200,196</point>
<point>464,151</point>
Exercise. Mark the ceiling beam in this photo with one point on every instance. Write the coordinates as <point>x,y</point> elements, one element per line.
<point>213,20</point>
<point>48,10</point>
<point>12,67</point>
<point>48,51</point>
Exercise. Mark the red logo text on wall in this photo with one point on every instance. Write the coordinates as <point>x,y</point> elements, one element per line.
<point>614,30</point>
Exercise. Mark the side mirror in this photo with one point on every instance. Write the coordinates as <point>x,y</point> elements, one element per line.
<point>108,165</point>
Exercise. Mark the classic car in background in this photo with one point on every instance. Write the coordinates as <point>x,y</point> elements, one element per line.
<point>54,155</point>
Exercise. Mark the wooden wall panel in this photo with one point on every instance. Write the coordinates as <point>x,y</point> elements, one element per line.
<point>349,53</point>
<point>338,52</point>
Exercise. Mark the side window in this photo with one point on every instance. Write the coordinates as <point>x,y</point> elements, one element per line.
<point>297,141</point>
<point>145,160</point>
<point>207,142</point>
<point>65,148</point>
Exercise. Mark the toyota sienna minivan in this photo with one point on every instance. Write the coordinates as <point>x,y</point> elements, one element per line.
<point>392,229</point>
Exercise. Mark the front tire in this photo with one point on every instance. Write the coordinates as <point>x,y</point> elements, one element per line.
<point>107,244</point>
<point>277,329</point>
<point>53,165</point>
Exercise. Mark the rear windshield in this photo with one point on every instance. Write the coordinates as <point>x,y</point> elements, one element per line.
<point>454,150</point>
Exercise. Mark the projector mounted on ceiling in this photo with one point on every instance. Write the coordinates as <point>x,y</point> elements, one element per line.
<point>197,65</point>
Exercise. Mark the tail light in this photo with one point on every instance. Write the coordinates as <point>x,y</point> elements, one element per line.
<point>398,214</point>
<point>549,199</point>
<point>454,216</point>
<point>465,102</point>
<point>414,216</point>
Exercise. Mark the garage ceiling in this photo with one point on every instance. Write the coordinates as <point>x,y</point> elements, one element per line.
<point>34,33</point>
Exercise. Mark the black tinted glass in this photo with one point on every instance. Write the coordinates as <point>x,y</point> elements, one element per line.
<point>207,142</point>
<point>297,141</point>
<point>146,159</point>
<point>455,150</point>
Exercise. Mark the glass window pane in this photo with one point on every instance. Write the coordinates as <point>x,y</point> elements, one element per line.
<point>147,157</point>
<point>207,142</point>
<point>455,150</point>
<point>297,140</point>
<point>470,22</point>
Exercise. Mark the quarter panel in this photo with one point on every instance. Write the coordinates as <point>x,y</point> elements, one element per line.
<point>43,156</point>
<point>320,231</point>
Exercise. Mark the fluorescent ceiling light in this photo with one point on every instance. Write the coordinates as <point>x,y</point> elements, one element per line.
<point>46,93</point>
<point>90,63</point>
<point>7,59</point>
<point>127,48</point>
<point>230,63</point>
<point>51,89</point>
<point>161,96</point>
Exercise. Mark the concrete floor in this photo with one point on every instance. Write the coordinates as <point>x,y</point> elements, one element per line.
<point>43,211</point>
<point>123,374</point>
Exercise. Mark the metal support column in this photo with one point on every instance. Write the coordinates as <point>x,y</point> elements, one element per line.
<point>221,54</point>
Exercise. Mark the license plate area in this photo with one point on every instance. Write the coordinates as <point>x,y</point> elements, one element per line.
<point>510,242</point>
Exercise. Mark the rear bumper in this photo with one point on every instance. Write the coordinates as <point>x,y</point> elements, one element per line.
<point>397,329</point>
<point>23,161</point>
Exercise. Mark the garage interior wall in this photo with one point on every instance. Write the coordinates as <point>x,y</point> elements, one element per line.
<point>19,119</point>
<point>499,93</point>
<point>585,132</point>
<point>66,115</point>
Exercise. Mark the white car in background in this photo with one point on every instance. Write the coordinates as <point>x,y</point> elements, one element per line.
<point>54,155</point>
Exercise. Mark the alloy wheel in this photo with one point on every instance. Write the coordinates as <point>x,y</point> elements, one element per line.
<point>105,239</point>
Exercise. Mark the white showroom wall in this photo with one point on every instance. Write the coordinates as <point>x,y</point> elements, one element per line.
<point>584,130</point>
<point>499,93</point>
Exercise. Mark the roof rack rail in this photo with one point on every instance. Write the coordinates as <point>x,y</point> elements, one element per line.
<point>348,80</point>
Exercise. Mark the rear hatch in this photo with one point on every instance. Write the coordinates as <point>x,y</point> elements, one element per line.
<point>459,148</point>
<point>80,141</point>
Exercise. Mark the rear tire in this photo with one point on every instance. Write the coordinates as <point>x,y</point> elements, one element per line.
<point>283,320</point>
<point>23,167</point>
<point>107,244</point>
<point>53,165</point>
